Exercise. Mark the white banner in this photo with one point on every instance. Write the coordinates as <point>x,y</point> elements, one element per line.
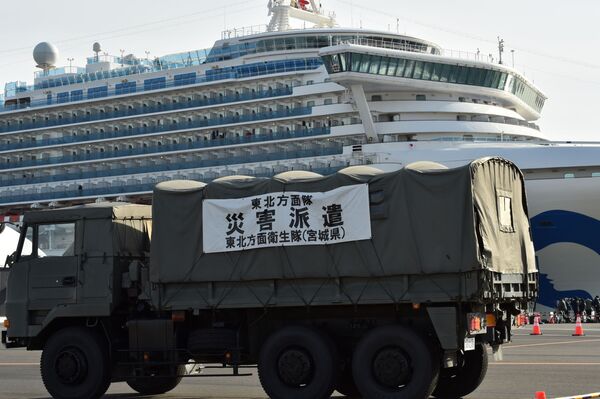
<point>286,218</point>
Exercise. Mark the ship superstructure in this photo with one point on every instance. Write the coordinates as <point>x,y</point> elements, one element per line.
<point>263,101</point>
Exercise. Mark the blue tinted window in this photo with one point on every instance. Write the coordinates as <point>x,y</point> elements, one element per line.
<point>184,79</point>
<point>62,97</point>
<point>156,83</point>
<point>77,95</point>
<point>97,92</point>
<point>125,88</point>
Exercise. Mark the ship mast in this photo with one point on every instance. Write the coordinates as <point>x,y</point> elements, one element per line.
<point>305,10</point>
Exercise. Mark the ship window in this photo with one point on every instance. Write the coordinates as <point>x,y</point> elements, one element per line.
<point>96,92</point>
<point>505,215</point>
<point>569,175</point>
<point>364,64</point>
<point>408,70</point>
<point>374,67</point>
<point>472,76</point>
<point>502,81</point>
<point>184,79</point>
<point>418,71</point>
<point>453,74</point>
<point>495,79</point>
<point>62,97</point>
<point>301,42</point>
<point>342,58</point>
<point>400,68</point>
<point>427,69</point>
<point>487,78</point>
<point>421,97</point>
<point>437,71</point>
<point>392,65</point>
<point>156,83</point>
<point>445,74</point>
<point>462,74</point>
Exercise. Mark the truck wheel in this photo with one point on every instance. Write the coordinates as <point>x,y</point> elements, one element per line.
<point>460,381</point>
<point>393,362</point>
<point>297,363</point>
<point>157,385</point>
<point>75,364</point>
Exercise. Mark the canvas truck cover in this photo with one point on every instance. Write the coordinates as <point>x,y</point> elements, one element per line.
<point>407,222</point>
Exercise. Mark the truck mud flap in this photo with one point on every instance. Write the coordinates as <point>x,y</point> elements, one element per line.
<point>444,323</point>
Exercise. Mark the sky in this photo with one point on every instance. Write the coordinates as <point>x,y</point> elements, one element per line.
<point>555,43</point>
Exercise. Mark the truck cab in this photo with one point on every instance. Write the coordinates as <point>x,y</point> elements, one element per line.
<point>76,258</point>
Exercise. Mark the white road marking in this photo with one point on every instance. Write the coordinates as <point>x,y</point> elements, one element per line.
<point>19,364</point>
<point>579,341</point>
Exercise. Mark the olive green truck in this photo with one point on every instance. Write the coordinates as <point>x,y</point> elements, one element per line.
<point>377,285</point>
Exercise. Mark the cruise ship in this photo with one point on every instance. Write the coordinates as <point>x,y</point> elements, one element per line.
<point>265,100</point>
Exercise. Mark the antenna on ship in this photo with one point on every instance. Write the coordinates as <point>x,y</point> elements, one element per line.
<point>96,48</point>
<point>500,49</point>
<point>45,55</point>
<point>305,10</point>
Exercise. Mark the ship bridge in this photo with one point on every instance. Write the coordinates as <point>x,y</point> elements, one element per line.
<point>368,68</point>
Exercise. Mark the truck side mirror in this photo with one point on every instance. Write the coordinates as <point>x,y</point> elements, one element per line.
<point>10,259</point>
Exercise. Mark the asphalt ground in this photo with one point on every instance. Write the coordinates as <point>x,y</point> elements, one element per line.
<point>556,362</point>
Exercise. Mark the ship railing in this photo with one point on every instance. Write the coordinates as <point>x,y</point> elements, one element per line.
<point>243,31</point>
<point>121,187</point>
<point>134,111</point>
<point>388,44</point>
<point>29,178</point>
<point>172,127</point>
<point>241,71</point>
<point>421,48</point>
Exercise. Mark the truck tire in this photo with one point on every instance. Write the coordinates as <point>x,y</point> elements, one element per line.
<point>460,381</point>
<point>297,363</point>
<point>75,364</point>
<point>393,362</point>
<point>157,385</point>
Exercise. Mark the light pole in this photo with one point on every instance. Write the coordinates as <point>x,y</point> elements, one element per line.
<point>512,55</point>
<point>122,55</point>
<point>70,64</point>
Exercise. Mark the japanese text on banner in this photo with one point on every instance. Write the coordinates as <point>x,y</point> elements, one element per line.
<point>286,218</point>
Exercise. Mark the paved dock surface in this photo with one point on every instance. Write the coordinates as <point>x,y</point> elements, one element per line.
<point>555,362</point>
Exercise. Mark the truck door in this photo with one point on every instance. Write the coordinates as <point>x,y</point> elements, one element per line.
<point>52,266</point>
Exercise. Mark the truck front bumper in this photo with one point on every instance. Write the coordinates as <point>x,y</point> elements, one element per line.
<point>7,342</point>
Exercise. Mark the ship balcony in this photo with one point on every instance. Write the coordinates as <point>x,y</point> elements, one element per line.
<point>107,170</point>
<point>188,125</point>
<point>129,185</point>
<point>139,110</point>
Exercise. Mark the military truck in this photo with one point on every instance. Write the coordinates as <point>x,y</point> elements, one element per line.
<point>380,285</point>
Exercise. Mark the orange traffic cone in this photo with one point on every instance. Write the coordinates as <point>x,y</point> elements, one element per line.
<point>540,395</point>
<point>536,326</point>
<point>578,328</point>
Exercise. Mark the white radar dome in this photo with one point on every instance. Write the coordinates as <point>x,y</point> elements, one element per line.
<point>45,55</point>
